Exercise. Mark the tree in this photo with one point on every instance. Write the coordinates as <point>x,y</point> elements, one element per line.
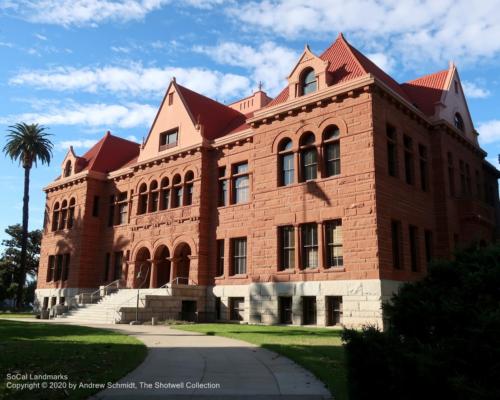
<point>10,262</point>
<point>443,338</point>
<point>27,144</point>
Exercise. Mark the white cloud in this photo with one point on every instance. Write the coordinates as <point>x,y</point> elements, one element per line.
<point>473,91</point>
<point>92,12</point>
<point>133,138</point>
<point>105,116</point>
<point>383,61</point>
<point>489,131</point>
<point>269,63</point>
<point>120,49</point>
<point>77,144</point>
<point>6,44</point>
<point>41,37</point>
<point>135,80</point>
<point>415,31</point>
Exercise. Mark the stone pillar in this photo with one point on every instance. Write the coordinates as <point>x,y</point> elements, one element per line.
<point>297,310</point>
<point>153,274</point>
<point>321,246</point>
<point>193,269</point>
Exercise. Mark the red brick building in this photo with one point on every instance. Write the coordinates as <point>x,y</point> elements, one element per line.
<point>309,208</point>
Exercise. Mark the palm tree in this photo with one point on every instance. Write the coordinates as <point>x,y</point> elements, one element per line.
<point>27,144</point>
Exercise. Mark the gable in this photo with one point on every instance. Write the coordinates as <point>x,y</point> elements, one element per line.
<point>173,114</point>
<point>453,101</point>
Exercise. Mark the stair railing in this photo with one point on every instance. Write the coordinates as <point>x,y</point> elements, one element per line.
<point>105,289</point>
<point>188,281</point>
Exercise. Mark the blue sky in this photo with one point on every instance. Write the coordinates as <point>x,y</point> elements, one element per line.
<point>82,67</point>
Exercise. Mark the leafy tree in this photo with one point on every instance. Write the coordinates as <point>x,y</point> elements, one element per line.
<point>443,338</point>
<point>10,263</point>
<point>27,143</point>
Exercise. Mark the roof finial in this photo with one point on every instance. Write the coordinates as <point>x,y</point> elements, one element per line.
<point>340,36</point>
<point>108,133</point>
<point>260,86</point>
<point>143,143</point>
<point>307,48</point>
<point>173,79</point>
<point>451,64</point>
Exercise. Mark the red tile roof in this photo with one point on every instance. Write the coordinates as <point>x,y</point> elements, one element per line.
<point>426,91</point>
<point>110,153</point>
<point>217,119</point>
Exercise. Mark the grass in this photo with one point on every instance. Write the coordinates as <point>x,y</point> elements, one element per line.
<point>83,354</point>
<point>318,350</point>
<point>16,314</point>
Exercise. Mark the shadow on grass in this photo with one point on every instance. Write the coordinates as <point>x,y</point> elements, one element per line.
<point>83,354</point>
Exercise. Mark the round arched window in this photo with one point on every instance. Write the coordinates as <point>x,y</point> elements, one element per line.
<point>308,81</point>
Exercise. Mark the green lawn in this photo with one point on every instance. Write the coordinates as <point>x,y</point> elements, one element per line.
<point>83,354</point>
<point>318,350</point>
<point>16,315</point>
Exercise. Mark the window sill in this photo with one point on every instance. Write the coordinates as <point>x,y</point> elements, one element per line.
<point>238,276</point>
<point>335,269</point>
<point>287,271</point>
<point>309,271</point>
<point>246,203</point>
<point>322,179</point>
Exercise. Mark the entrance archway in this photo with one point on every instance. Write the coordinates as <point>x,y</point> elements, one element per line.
<point>182,261</point>
<point>162,267</point>
<point>142,268</point>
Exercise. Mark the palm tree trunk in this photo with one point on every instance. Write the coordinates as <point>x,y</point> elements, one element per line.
<point>24,238</point>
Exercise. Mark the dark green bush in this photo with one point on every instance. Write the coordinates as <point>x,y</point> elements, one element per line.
<point>443,338</point>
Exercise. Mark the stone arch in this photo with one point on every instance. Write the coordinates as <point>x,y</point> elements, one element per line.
<point>142,267</point>
<point>282,135</point>
<point>307,128</point>
<point>160,274</point>
<point>341,124</point>
<point>182,261</point>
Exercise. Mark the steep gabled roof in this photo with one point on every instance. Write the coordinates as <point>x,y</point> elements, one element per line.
<point>217,119</point>
<point>110,153</point>
<point>427,90</point>
<point>347,63</point>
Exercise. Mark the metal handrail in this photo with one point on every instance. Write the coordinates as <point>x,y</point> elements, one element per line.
<point>189,280</point>
<point>98,291</point>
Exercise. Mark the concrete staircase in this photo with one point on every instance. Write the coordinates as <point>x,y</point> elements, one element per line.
<point>107,310</point>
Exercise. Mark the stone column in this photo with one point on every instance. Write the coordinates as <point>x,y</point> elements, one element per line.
<point>321,247</point>
<point>153,274</point>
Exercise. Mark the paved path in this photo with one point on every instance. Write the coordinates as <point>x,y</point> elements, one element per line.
<point>210,367</point>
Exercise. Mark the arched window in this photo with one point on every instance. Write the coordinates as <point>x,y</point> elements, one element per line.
<point>308,82</point>
<point>188,188</point>
<point>177,191</point>
<point>71,213</point>
<point>55,217</point>
<point>331,150</point>
<point>286,163</point>
<point>459,122</point>
<point>308,157</point>
<point>64,215</point>
<point>67,168</point>
<point>154,196</point>
<point>165,194</point>
<point>143,199</point>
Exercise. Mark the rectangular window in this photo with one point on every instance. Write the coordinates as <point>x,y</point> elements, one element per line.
<point>220,258</point>
<point>59,267</point>
<point>241,183</point>
<point>309,310</point>
<point>170,99</point>
<point>287,169</point>
<point>285,310</point>
<point>414,256</point>
<point>111,215</point>
<point>155,199</point>
<point>65,272</point>
<point>107,264</point>
<point>424,168</point>
<point>95,207</point>
<point>392,151</point>
<point>397,248</point>
<point>332,158</point>
<point>55,220</point>
<point>463,185</point>
<point>239,249</point>
<point>177,199</point>
<point>168,139</point>
<point>309,164</point>
<point>333,238</point>
<point>222,192</point>
<point>287,246</point>
<point>237,308</point>
<point>188,198</point>
<point>334,310</point>
<point>50,268</point>
<point>165,198</point>
<point>409,168</point>
<point>451,174</point>
<point>122,213</point>
<point>309,245</point>
<point>64,215</point>
<point>428,246</point>
<point>117,272</point>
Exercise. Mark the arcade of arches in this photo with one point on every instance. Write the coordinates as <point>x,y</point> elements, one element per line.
<point>154,271</point>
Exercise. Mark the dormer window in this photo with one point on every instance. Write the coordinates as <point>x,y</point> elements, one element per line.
<point>308,83</point>
<point>459,122</point>
<point>67,168</point>
<point>168,139</point>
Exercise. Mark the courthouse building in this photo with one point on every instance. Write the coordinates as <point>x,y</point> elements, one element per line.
<point>309,208</point>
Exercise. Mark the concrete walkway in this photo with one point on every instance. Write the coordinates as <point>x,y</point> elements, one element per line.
<point>189,365</point>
